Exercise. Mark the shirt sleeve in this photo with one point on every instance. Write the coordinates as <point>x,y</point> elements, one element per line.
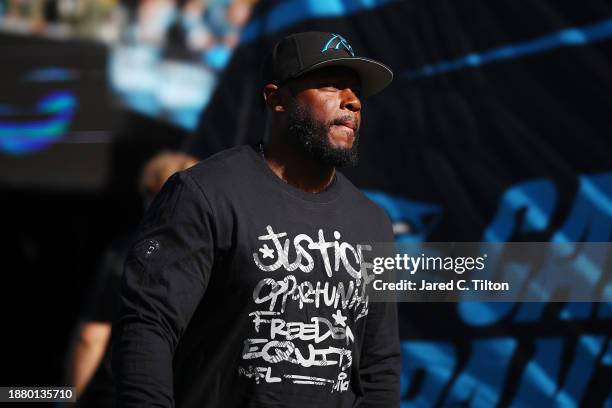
<point>165,277</point>
<point>380,362</point>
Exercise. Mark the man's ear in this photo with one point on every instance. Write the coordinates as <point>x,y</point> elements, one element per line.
<point>272,98</point>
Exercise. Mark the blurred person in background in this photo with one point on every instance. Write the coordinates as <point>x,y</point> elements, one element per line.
<point>24,15</point>
<point>89,368</point>
<point>208,31</point>
<point>98,20</point>
<point>225,19</point>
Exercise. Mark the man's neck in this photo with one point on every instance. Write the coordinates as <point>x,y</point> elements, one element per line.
<point>294,168</point>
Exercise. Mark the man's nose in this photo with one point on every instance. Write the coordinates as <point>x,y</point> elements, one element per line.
<point>350,100</point>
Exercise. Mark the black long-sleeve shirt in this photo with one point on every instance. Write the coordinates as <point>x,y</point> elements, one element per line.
<point>243,291</point>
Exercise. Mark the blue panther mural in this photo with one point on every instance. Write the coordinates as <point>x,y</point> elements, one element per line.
<point>558,367</point>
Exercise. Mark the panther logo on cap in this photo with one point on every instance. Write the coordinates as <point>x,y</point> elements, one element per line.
<point>337,41</point>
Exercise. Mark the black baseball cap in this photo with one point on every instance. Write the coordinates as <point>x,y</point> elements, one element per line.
<point>300,53</point>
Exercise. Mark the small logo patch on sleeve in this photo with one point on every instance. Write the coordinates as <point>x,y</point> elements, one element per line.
<point>150,246</point>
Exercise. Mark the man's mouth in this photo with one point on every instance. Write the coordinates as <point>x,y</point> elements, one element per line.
<point>346,127</point>
<point>345,132</point>
<point>347,123</point>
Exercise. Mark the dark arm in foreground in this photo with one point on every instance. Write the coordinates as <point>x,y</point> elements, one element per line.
<point>165,276</point>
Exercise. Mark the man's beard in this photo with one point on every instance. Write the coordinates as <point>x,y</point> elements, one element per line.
<point>312,139</point>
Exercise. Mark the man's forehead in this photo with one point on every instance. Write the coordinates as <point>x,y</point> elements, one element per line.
<point>342,74</point>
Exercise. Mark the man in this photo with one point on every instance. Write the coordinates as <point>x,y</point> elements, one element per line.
<point>245,286</point>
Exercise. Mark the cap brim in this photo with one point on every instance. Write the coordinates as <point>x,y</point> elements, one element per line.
<point>375,76</point>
